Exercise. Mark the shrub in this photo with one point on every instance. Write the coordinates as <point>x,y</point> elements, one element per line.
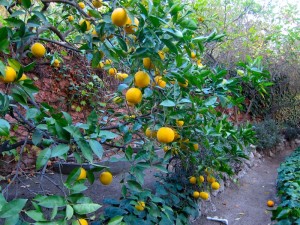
<point>267,134</point>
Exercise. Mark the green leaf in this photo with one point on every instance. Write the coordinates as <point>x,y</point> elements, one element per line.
<point>60,150</point>
<point>115,221</point>
<point>2,66</point>
<point>129,153</point>
<point>43,158</point>
<point>69,212</point>
<point>135,186</point>
<point>4,128</point>
<point>26,3</point>
<point>85,149</point>
<point>107,134</point>
<point>14,64</point>
<point>12,220</point>
<point>97,56</point>
<point>37,137</point>
<point>86,208</point>
<point>12,208</point>
<point>170,45</point>
<point>50,201</point>
<point>36,215</point>
<point>167,103</point>
<point>97,148</point>
<point>211,101</point>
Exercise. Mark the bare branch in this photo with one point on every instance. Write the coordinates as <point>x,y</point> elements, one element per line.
<point>60,43</point>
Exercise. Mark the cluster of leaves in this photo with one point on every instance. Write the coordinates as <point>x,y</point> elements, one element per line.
<point>163,26</point>
<point>288,211</point>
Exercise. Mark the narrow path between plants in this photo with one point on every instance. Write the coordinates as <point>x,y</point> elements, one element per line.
<point>244,203</point>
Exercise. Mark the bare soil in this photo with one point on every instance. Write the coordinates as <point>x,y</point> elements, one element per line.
<point>244,202</point>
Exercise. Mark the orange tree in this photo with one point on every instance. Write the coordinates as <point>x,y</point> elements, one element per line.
<point>175,103</point>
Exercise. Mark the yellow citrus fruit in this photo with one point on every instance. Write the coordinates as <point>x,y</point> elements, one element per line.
<point>119,17</point>
<point>70,18</point>
<point>201,19</point>
<point>23,77</point>
<point>184,84</point>
<point>108,62</point>
<point>106,178</point>
<point>211,179</point>
<point>161,55</point>
<point>166,148</point>
<point>150,133</point>
<point>165,135</point>
<point>193,180</point>
<point>134,96</point>
<point>196,146</point>
<point>117,100</point>
<point>82,174</point>
<point>160,82</point>
<point>131,28</point>
<point>87,23</point>
<point>38,50</point>
<point>193,55</point>
<point>82,222</point>
<point>270,203</point>
<point>81,5</point>
<point>94,33</point>
<point>10,75</point>
<point>141,79</point>
<point>215,185</point>
<point>97,3</point>
<point>100,65</point>
<point>147,63</point>
<point>140,206</point>
<point>204,195</point>
<point>179,123</point>
<point>122,76</point>
<point>177,136</point>
<point>112,71</point>
<point>201,179</point>
<point>196,194</point>
<point>56,63</point>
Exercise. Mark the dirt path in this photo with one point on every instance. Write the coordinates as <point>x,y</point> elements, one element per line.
<point>244,203</point>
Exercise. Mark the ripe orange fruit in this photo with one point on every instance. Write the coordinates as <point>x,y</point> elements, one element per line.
<point>196,194</point>
<point>106,178</point>
<point>112,71</point>
<point>38,50</point>
<point>119,17</point>
<point>140,206</point>
<point>165,135</point>
<point>204,195</point>
<point>193,180</point>
<point>196,146</point>
<point>147,63</point>
<point>134,96</point>
<point>184,84</point>
<point>82,174</point>
<point>179,123</point>
<point>201,179</point>
<point>81,5</point>
<point>82,222</point>
<point>131,28</point>
<point>193,55</point>
<point>97,3</point>
<point>108,62</point>
<point>70,18</point>
<point>210,179</point>
<point>23,77</point>
<point>87,23</point>
<point>141,79</point>
<point>10,75</point>
<point>56,63</point>
<point>160,82</point>
<point>161,55</point>
<point>215,185</point>
<point>270,203</point>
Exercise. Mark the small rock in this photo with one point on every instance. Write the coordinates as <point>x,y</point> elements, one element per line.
<point>271,154</point>
<point>297,141</point>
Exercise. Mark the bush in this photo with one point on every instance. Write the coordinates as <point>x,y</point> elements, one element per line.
<point>288,211</point>
<point>267,134</point>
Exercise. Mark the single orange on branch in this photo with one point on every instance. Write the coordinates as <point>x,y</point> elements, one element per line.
<point>270,203</point>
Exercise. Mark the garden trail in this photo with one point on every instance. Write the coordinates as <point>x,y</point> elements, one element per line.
<point>244,203</point>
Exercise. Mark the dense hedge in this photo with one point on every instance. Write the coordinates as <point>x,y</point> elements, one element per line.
<point>288,183</point>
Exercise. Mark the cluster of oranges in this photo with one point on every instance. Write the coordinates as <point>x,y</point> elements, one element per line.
<point>214,185</point>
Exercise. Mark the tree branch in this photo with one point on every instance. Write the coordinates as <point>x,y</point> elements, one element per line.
<point>59,43</point>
